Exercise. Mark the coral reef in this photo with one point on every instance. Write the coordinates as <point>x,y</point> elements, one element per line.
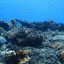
<point>23,42</point>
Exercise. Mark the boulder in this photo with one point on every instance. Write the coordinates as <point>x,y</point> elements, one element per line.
<point>2,40</point>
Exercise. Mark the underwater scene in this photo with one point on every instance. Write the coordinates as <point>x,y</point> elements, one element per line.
<point>31,31</point>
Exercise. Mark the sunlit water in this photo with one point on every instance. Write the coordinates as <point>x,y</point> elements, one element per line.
<point>32,10</point>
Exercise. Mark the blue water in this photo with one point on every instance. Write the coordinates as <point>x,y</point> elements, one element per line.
<point>32,10</point>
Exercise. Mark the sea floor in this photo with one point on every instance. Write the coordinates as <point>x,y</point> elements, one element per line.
<point>31,43</point>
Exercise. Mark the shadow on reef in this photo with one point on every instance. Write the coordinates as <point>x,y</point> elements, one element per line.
<point>24,37</point>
